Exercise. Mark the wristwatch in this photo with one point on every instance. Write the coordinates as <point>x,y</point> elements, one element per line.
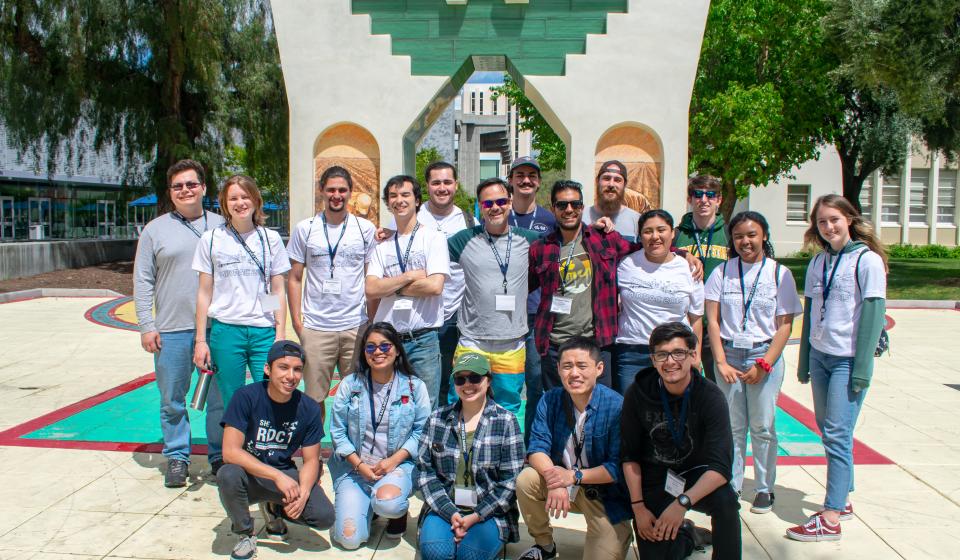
<point>577,477</point>
<point>684,501</point>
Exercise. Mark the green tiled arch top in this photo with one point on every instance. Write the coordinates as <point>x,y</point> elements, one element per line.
<point>536,37</point>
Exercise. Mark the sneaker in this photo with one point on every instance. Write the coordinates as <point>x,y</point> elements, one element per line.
<point>701,537</point>
<point>215,466</point>
<point>396,527</point>
<point>815,530</point>
<point>246,548</point>
<point>176,476</point>
<point>762,502</point>
<point>274,524</point>
<point>537,552</point>
<point>847,513</point>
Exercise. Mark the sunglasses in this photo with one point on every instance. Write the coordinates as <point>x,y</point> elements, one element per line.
<point>177,187</point>
<point>473,378</point>
<point>562,205</point>
<point>488,204</point>
<point>384,347</point>
<point>698,194</point>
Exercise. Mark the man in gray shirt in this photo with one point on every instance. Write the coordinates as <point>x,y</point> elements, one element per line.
<point>164,281</point>
<point>611,201</point>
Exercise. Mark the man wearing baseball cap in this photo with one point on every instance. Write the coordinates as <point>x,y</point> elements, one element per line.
<point>264,426</point>
<point>611,194</point>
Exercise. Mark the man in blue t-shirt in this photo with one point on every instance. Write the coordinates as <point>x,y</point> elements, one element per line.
<point>264,425</point>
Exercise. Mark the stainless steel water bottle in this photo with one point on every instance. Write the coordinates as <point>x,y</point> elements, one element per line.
<point>199,399</point>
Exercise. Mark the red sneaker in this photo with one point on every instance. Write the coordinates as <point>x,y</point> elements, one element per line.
<point>847,513</point>
<point>815,530</point>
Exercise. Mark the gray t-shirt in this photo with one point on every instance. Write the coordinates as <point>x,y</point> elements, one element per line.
<point>478,317</point>
<point>626,222</point>
<point>577,283</point>
<point>375,444</point>
<point>163,277</point>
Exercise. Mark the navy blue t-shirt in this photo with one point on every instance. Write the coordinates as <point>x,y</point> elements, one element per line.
<point>540,220</point>
<point>274,431</point>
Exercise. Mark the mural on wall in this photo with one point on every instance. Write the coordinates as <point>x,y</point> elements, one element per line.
<point>640,151</point>
<point>355,149</point>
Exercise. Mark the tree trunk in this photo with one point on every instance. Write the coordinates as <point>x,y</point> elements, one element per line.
<point>170,129</point>
<point>729,200</point>
<point>852,185</point>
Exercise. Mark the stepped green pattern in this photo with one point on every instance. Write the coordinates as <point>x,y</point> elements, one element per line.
<point>535,37</point>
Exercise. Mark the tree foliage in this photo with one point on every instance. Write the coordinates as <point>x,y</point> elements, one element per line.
<point>461,199</point>
<point>551,149</point>
<point>155,82</point>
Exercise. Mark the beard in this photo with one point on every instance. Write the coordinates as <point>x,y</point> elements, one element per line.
<point>609,207</point>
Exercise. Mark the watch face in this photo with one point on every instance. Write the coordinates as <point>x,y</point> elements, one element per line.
<point>684,500</point>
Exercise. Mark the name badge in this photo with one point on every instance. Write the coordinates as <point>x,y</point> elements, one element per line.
<point>561,305</point>
<point>403,304</point>
<point>742,340</point>
<point>269,302</point>
<point>675,483</point>
<point>817,332</point>
<point>465,497</point>
<point>506,302</point>
<point>573,490</point>
<point>331,287</point>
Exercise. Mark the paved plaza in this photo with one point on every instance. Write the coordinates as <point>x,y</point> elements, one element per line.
<point>81,470</point>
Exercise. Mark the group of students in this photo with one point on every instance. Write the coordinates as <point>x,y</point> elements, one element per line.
<point>641,380</point>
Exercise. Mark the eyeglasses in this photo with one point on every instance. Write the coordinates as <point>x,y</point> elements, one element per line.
<point>488,204</point>
<point>698,194</point>
<point>677,355</point>
<point>177,187</point>
<point>562,205</point>
<point>473,378</point>
<point>384,347</point>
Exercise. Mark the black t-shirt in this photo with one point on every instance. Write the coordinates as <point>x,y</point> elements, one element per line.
<point>645,432</point>
<point>274,431</point>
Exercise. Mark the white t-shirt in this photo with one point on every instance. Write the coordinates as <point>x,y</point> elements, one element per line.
<point>570,449</point>
<point>428,253</point>
<point>237,280</point>
<point>838,331</point>
<point>344,305</point>
<point>652,294</point>
<point>769,300</point>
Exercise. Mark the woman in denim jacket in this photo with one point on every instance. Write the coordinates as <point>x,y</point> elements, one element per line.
<point>377,420</point>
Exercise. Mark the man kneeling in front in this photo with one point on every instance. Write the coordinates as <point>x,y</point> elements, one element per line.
<point>678,451</point>
<point>574,457</point>
<point>264,425</point>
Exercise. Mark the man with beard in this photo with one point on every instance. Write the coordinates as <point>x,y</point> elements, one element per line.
<point>331,250</point>
<point>611,194</point>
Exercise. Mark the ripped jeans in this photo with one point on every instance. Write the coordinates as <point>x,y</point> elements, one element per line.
<point>356,499</point>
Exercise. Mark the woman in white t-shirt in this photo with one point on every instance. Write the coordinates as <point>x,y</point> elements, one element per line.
<point>655,287</point>
<point>844,315</point>
<point>750,302</point>
<point>241,266</point>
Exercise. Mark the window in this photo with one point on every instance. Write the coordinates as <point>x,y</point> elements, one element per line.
<point>919,181</point>
<point>798,203</point>
<point>866,197</point>
<point>494,103</point>
<point>481,104</point>
<point>947,197</point>
<point>890,200</point>
<point>473,102</point>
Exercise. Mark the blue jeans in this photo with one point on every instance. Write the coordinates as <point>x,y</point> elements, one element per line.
<point>355,499</point>
<point>448,336</point>
<point>628,361</point>
<point>174,370</point>
<point>436,540</point>
<point>531,381</point>
<point>836,407</point>
<point>753,407</point>
<point>424,355</point>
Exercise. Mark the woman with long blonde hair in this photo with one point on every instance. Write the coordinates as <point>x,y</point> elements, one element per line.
<point>845,294</point>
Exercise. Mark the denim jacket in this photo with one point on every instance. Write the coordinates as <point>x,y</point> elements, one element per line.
<point>351,414</point>
<point>550,432</point>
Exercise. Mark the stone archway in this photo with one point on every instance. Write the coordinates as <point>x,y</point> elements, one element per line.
<point>639,149</point>
<point>353,147</point>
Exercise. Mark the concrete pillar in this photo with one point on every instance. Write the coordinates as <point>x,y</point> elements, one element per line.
<point>932,197</point>
<point>876,198</point>
<point>905,199</point>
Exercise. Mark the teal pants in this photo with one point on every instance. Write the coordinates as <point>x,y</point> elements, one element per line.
<point>236,348</point>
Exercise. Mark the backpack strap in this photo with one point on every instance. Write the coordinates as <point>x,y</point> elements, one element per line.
<point>856,270</point>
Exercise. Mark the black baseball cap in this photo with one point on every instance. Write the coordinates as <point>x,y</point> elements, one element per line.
<point>284,348</point>
<point>525,160</point>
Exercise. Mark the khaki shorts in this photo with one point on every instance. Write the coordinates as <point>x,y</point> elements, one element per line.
<point>326,351</point>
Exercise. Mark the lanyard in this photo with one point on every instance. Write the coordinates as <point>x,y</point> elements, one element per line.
<point>565,268</point>
<point>377,419</point>
<point>504,265</point>
<point>579,440</point>
<point>332,250</point>
<point>183,220</point>
<point>258,262</point>
<point>701,249</point>
<point>753,291</point>
<point>402,261</point>
<point>676,428</point>
<point>467,454</point>
<point>533,220</point>
<point>828,285</point>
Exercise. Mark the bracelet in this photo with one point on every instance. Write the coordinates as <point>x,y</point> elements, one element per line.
<point>764,365</point>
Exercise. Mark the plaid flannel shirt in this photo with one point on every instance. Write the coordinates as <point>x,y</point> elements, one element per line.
<point>497,460</point>
<point>605,251</point>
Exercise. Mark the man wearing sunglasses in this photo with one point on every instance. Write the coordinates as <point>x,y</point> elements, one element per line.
<point>611,201</point>
<point>677,452</point>
<point>493,315</point>
<point>702,233</point>
<point>164,282</point>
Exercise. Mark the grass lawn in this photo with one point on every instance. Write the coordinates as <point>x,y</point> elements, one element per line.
<point>908,279</point>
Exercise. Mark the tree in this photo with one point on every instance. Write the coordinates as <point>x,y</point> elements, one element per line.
<point>763,101</point>
<point>157,82</point>
<point>552,151</point>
